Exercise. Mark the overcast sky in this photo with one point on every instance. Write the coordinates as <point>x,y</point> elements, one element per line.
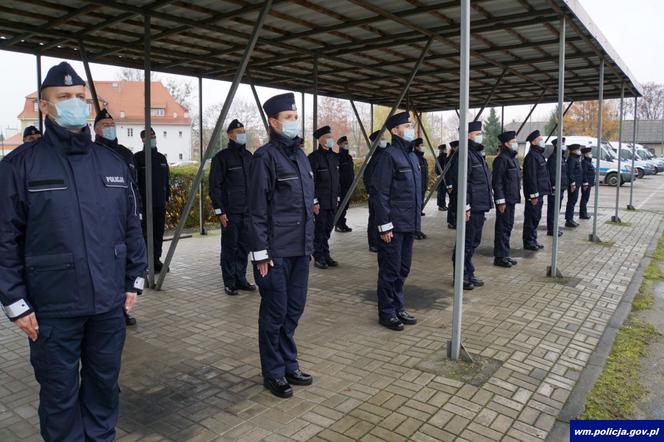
<point>634,28</point>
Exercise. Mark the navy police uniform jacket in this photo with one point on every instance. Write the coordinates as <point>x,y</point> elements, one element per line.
<point>451,175</point>
<point>325,166</point>
<point>588,172</point>
<point>424,169</point>
<point>228,179</point>
<point>70,237</point>
<point>442,160</point>
<point>574,170</point>
<point>479,197</point>
<point>551,167</point>
<point>396,188</point>
<point>128,157</point>
<point>346,170</point>
<point>506,179</point>
<point>161,190</point>
<point>281,200</point>
<point>536,181</point>
<point>369,170</point>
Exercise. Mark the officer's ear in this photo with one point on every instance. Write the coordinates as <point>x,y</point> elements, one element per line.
<point>44,105</point>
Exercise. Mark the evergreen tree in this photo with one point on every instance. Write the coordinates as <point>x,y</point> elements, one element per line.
<point>491,129</point>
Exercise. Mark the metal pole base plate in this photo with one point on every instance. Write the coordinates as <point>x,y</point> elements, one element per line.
<point>630,207</point>
<point>463,354</point>
<point>594,238</point>
<point>548,272</point>
<point>615,219</point>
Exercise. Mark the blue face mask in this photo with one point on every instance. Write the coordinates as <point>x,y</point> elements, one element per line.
<point>72,113</point>
<point>109,133</point>
<point>478,139</point>
<point>290,129</point>
<point>409,134</point>
<point>514,146</point>
<point>153,143</point>
<point>382,143</point>
<point>329,143</point>
<point>241,139</point>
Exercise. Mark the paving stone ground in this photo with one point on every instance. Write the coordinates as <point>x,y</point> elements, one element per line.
<point>191,367</point>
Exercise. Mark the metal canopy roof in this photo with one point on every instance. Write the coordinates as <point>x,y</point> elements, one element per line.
<point>365,48</point>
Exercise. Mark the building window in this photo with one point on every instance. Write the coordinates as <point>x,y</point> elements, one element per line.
<point>180,156</point>
<point>180,134</point>
<point>165,134</point>
<point>35,106</point>
<point>158,112</point>
<point>122,114</point>
<point>130,131</point>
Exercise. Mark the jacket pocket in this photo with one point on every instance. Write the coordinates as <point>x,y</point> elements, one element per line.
<point>120,251</point>
<point>52,279</point>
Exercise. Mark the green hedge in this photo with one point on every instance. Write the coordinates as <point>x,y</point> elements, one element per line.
<point>183,176</point>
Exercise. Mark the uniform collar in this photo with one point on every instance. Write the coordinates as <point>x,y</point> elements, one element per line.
<point>475,146</point>
<point>233,145</point>
<point>509,152</point>
<point>402,144</point>
<point>106,142</point>
<point>289,145</point>
<point>69,142</point>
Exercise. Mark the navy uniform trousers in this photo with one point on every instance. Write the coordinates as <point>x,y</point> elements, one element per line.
<point>572,198</point>
<point>503,231</point>
<point>342,218</point>
<point>158,227</point>
<point>394,259</point>
<point>452,209</point>
<point>585,197</point>
<point>234,250</point>
<point>531,218</point>
<point>283,295</point>
<point>473,239</point>
<point>441,196</point>
<point>322,231</point>
<point>69,410</point>
<point>550,206</point>
<point>372,228</point>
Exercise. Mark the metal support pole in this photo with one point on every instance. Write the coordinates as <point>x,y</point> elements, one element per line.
<point>615,218</point>
<point>147,149</point>
<point>630,206</point>
<point>553,270</point>
<point>532,109</point>
<point>303,117</point>
<point>260,108</point>
<point>88,75</point>
<point>39,82</point>
<point>359,120</point>
<point>315,121</point>
<point>555,126</point>
<point>215,133</point>
<point>502,119</point>
<point>435,159</point>
<point>600,106</point>
<point>201,163</point>
<point>462,179</point>
<point>490,96</point>
<point>374,144</point>
<point>372,118</point>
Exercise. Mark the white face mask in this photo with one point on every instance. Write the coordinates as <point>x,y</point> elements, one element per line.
<point>382,143</point>
<point>589,155</point>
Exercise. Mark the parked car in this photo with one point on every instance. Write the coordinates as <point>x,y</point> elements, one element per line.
<point>641,167</point>
<point>643,152</point>
<point>608,162</point>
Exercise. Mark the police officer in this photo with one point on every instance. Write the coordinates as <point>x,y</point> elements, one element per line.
<point>281,231</point>
<point>441,193</point>
<point>551,164</point>
<point>478,202</point>
<point>228,192</point>
<point>396,192</point>
<point>372,227</point>
<point>30,134</point>
<point>325,165</point>
<point>575,174</point>
<point>71,259</point>
<point>346,178</point>
<point>418,148</point>
<point>588,180</point>
<point>450,180</point>
<point>161,193</point>
<point>536,184</point>
<point>506,182</point>
<point>104,127</point>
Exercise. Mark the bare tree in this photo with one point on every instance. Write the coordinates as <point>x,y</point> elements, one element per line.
<point>181,90</point>
<point>651,105</point>
<point>129,74</point>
